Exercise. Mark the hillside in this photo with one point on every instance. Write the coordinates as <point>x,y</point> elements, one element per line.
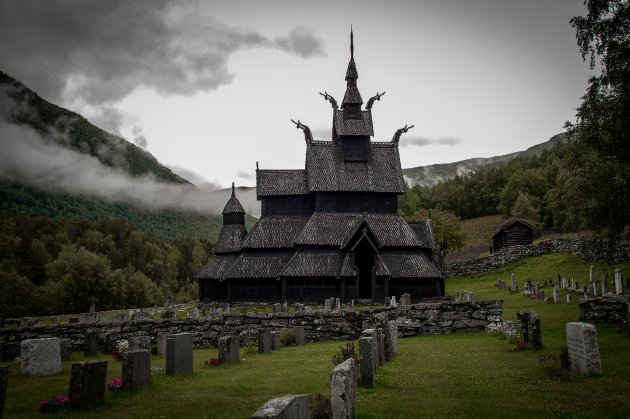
<point>435,173</point>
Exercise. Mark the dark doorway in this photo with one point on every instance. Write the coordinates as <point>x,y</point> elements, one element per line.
<point>364,260</point>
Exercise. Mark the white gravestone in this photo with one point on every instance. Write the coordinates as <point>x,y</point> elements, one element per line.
<point>583,348</point>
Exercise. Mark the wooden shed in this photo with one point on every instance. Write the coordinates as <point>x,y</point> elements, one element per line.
<point>513,232</point>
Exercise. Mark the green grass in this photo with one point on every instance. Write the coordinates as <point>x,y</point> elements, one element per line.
<point>455,375</point>
<point>479,232</point>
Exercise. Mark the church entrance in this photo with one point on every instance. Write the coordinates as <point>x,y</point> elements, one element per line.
<point>364,260</point>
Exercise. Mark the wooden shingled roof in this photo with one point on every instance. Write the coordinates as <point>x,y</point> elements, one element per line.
<point>361,126</point>
<point>511,222</point>
<point>275,232</point>
<point>281,182</point>
<point>327,171</point>
<point>424,231</point>
<point>259,264</point>
<point>217,267</point>
<point>315,262</point>
<point>409,264</point>
<point>230,238</point>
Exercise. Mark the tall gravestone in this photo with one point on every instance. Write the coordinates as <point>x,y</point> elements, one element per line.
<point>343,390</point>
<point>523,318</point>
<point>372,333</point>
<point>40,356</point>
<point>4,379</point>
<point>556,294</point>
<point>229,349</point>
<point>87,384</point>
<point>161,344</point>
<point>368,370</point>
<point>136,369</point>
<point>583,348</point>
<point>179,354</point>
<point>91,343</point>
<point>327,304</point>
<point>618,284</point>
<point>536,331</point>
<point>264,341</point>
<point>299,335</point>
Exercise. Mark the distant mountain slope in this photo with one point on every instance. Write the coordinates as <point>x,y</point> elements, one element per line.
<point>23,106</point>
<point>435,173</point>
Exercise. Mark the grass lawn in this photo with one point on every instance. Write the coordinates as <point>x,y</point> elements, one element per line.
<point>456,375</point>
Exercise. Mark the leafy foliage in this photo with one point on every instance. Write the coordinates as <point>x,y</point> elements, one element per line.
<point>447,229</point>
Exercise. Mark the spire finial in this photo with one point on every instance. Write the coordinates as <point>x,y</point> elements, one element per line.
<point>233,189</point>
<point>351,43</point>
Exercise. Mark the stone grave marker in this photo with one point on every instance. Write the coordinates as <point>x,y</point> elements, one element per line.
<point>179,354</point>
<point>583,348</point>
<point>536,331</point>
<point>569,299</point>
<point>556,294</point>
<point>618,283</point>
<point>393,302</point>
<point>65,349</point>
<point>381,346</point>
<point>277,308</point>
<point>327,304</point>
<point>136,369</point>
<point>137,343</point>
<point>91,343</point>
<point>40,356</point>
<point>264,341</point>
<point>368,372</point>
<point>523,318</point>
<point>87,384</point>
<point>343,389</point>
<point>86,318</point>
<point>299,335</point>
<point>372,333</point>
<point>161,344</point>
<point>293,406</point>
<point>337,304</point>
<point>537,289</point>
<point>509,330</point>
<point>4,380</point>
<point>229,349</point>
<point>285,306</point>
<point>275,340</point>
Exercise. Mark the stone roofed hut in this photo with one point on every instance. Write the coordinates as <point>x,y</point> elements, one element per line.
<point>513,232</point>
<point>331,229</point>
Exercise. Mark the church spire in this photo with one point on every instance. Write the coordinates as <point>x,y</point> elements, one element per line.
<point>352,100</point>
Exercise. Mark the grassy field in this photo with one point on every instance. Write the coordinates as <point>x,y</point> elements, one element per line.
<point>456,375</point>
<point>479,232</point>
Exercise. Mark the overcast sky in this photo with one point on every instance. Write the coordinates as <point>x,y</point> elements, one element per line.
<point>209,87</point>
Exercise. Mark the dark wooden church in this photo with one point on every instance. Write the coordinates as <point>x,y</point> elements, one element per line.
<point>330,229</point>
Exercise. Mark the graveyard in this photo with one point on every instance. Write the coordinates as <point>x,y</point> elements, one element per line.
<point>458,374</point>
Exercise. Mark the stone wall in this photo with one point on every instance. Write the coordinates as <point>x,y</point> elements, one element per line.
<point>588,249</point>
<point>419,319</point>
<point>609,309</point>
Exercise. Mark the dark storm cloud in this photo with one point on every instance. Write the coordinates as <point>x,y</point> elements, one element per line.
<point>424,141</point>
<point>100,51</point>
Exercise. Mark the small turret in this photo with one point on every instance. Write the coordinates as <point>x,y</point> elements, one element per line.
<point>233,212</point>
<point>352,100</point>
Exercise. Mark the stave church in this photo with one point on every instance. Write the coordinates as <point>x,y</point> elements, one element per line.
<point>330,229</point>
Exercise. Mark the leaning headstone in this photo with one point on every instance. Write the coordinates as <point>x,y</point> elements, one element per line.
<point>536,331</point>
<point>4,379</point>
<point>286,407</point>
<point>91,343</point>
<point>299,335</point>
<point>368,370</point>
<point>275,340</point>
<point>40,356</point>
<point>161,344</point>
<point>136,369</point>
<point>264,341</point>
<point>327,304</point>
<point>179,354</point>
<point>583,348</point>
<point>343,389</point>
<point>65,349</point>
<point>87,384</point>
<point>229,349</point>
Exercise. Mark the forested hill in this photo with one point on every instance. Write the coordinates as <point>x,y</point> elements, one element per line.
<point>25,107</point>
<point>435,173</point>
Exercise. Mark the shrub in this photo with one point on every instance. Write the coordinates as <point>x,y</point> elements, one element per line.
<point>287,336</point>
<point>345,352</point>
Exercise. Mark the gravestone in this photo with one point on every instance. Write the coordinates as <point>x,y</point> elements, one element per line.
<point>93,310</point>
<point>381,346</point>
<point>618,284</point>
<point>542,294</point>
<point>372,333</point>
<point>569,299</point>
<point>91,343</point>
<point>536,331</point>
<point>583,348</point>
<point>4,379</point>
<point>576,286</point>
<point>277,308</point>
<point>556,294</point>
<point>293,406</point>
<point>509,330</point>
<point>366,351</point>
<point>523,318</point>
<point>391,350</point>
<point>537,289</point>
<point>137,343</point>
<point>161,344</point>
<point>65,349</point>
<point>327,304</point>
<point>87,384</point>
<point>285,306</point>
<point>393,302</point>
<point>299,335</point>
<point>513,283</point>
<point>136,369</point>
<point>86,318</point>
<point>40,356</point>
<point>275,340</point>
<point>264,341</point>
<point>179,354</point>
<point>229,349</point>
<point>343,389</point>
<point>337,304</point>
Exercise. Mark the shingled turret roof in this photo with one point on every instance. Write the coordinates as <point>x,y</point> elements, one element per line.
<point>233,205</point>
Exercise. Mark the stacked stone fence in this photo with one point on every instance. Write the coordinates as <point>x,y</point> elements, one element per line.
<point>429,318</point>
<point>591,250</point>
<point>609,309</point>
